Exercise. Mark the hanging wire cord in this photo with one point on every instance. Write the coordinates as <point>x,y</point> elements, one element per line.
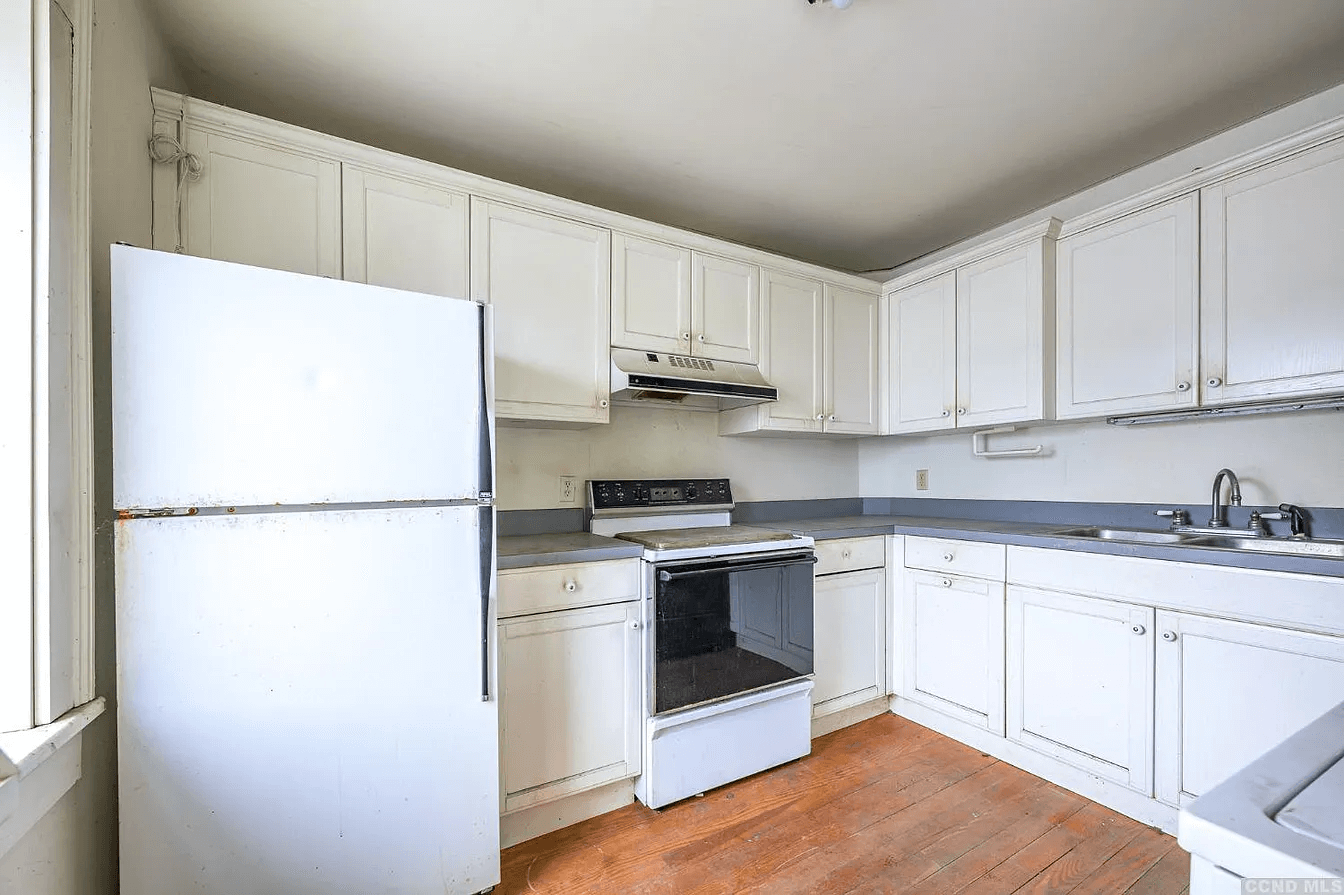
<point>166,150</point>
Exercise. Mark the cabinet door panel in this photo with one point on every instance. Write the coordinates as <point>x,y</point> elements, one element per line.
<point>850,634</point>
<point>954,647</point>
<point>1227,692</point>
<point>404,234</point>
<point>570,702</point>
<point>792,356</point>
<point>1080,682</point>
<point>1000,338</point>
<point>851,393</point>
<point>1127,313</point>
<point>921,363</point>
<point>725,309</point>
<point>549,282</point>
<point>1272,288</point>
<point>650,295</point>
<point>263,206</point>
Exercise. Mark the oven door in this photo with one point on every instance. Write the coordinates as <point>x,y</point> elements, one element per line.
<point>729,625</point>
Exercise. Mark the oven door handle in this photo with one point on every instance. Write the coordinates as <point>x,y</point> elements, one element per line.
<point>666,576</point>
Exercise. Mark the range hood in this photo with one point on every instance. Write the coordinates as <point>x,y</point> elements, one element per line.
<point>676,379</point>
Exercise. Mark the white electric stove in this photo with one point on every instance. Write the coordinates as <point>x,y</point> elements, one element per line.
<point>727,620</point>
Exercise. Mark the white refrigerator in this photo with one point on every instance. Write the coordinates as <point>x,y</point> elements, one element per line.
<point>303,477</point>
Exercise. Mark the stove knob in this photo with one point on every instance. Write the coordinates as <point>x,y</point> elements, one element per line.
<point>690,491</point>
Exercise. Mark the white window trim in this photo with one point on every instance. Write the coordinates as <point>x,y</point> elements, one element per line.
<point>46,628</point>
<point>38,767</point>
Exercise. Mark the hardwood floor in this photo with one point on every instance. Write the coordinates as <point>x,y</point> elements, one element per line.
<point>884,806</point>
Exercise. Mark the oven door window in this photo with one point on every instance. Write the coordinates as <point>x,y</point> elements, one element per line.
<point>723,628</point>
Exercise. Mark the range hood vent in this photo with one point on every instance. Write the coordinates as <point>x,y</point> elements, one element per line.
<point>653,377</point>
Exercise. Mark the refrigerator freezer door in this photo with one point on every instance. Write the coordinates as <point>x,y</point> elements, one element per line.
<point>238,386</point>
<point>299,704</point>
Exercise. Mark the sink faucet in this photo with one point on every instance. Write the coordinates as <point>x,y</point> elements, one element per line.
<point>1219,519</point>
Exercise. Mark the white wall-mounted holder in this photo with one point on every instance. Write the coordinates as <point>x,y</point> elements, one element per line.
<point>980,445</point>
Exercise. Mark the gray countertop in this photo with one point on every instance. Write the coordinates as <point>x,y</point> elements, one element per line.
<point>1034,534</point>
<point>521,551</point>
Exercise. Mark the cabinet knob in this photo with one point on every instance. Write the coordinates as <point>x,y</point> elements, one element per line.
<point>1182,386</point>
<point>700,337</point>
<point>844,554</point>
<point>945,411</point>
<point>1137,629</point>
<point>961,411</point>
<point>635,624</point>
<point>571,586</point>
<point>831,417</point>
<point>948,556</point>
<point>947,582</point>
<point>1169,636</point>
<point>1214,382</point>
<point>603,403</point>
<point>685,337</point>
<point>820,416</point>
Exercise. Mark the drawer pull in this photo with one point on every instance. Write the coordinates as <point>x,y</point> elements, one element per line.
<point>571,586</point>
<point>947,582</point>
<point>844,554</point>
<point>948,557</point>
<point>1137,629</point>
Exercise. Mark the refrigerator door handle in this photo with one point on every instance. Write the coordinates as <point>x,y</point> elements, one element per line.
<point>487,528</point>
<point>486,489</point>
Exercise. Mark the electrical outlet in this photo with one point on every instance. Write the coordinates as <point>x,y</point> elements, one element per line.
<point>569,490</point>
<point>921,480</point>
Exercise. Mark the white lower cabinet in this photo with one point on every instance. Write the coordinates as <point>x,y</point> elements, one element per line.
<point>953,646</point>
<point>849,639</point>
<point>1080,682</point>
<point>570,702</point>
<point>1227,692</point>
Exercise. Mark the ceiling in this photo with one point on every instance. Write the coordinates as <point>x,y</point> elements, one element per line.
<point>855,138</point>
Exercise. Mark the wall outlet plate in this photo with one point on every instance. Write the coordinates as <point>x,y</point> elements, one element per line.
<point>921,480</point>
<point>569,490</point>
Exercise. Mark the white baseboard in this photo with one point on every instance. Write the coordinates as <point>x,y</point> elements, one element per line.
<point>834,721</point>
<point>1106,792</point>
<point>529,823</point>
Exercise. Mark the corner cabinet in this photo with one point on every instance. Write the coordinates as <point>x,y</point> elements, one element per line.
<point>1128,313</point>
<point>256,202</point>
<point>549,282</point>
<point>1272,289</point>
<point>820,349</point>
<point>972,344</point>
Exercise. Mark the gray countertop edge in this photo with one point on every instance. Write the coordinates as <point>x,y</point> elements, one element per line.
<point>1020,534</point>
<point>525,551</point>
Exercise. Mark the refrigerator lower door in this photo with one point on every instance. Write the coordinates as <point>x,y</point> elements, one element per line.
<point>238,386</point>
<point>299,704</point>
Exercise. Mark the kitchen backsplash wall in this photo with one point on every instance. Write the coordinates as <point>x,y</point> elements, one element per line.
<point>651,441</point>
<point>1294,458</point>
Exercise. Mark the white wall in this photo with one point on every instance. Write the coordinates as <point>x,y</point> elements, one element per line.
<point>1292,457</point>
<point>648,442</point>
<point>73,850</point>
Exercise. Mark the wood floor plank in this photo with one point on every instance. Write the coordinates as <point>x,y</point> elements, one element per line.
<point>1172,871</point>
<point>883,806</point>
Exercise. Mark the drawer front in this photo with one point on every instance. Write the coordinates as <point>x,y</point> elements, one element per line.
<point>958,557</point>
<point>850,554</point>
<point>551,588</point>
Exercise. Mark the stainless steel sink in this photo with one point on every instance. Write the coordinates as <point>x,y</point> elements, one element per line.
<point>1283,546</point>
<point>1133,535</point>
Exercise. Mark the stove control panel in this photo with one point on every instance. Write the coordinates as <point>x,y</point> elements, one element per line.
<point>628,494</point>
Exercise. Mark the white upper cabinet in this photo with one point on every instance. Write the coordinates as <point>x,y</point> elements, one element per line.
<point>793,356</point>
<point>650,295</point>
<point>257,204</point>
<point>1272,288</point>
<point>548,279</point>
<point>403,233</point>
<point>1001,308</point>
<point>820,350</point>
<point>1127,313</point>
<point>921,370</point>
<point>851,341</point>
<point>725,309</point>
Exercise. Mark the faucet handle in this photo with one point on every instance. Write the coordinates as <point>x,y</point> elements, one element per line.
<point>1178,517</point>
<point>1297,519</point>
